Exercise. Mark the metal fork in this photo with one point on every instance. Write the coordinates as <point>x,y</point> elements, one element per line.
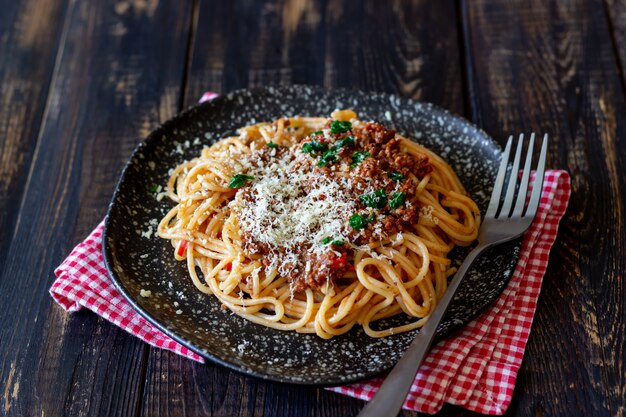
<point>504,221</point>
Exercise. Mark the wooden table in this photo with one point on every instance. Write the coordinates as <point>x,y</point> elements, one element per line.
<point>82,81</point>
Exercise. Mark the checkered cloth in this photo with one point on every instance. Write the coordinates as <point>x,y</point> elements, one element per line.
<point>475,368</point>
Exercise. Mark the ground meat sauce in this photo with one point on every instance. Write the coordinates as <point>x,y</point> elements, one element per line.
<point>367,159</point>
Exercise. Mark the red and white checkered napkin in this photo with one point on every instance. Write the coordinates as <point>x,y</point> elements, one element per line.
<point>476,368</point>
<point>83,281</point>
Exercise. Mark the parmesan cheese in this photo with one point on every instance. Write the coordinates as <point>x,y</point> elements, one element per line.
<point>287,208</point>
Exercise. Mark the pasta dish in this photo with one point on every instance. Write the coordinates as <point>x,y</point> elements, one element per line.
<point>320,224</point>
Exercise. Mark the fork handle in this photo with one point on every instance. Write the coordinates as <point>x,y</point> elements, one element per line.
<point>392,393</point>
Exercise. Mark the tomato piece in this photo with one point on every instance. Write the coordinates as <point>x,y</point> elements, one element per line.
<point>182,247</point>
<point>340,261</point>
<point>229,266</point>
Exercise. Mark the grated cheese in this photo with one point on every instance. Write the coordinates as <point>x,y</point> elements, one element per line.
<point>427,212</point>
<point>292,208</point>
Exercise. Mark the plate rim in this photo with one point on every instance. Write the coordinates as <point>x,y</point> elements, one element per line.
<point>203,106</point>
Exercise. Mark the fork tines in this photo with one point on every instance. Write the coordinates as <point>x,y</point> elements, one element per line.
<point>517,188</point>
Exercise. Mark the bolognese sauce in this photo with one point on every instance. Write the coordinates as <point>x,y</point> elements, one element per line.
<point>354,178</point>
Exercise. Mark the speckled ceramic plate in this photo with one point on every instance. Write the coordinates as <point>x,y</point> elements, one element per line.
<point>137,259</point>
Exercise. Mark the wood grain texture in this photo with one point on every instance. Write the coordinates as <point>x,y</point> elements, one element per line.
<point>549,67</point>
<point>240,44</point>
<point>354,45</point>
<point>117,76</point>
<point>616,18</point>
<point>30,33</point>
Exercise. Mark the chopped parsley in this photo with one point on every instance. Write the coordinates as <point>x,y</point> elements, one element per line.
<point>340,127</point>
<point>317,132</point>
<point>377,199</point>
<point>336,242</point>
<point>347,141</point>
<point>272,145</point>
<point>331,154</point>
<point>358,221</point>
<point>396,176</point>
<point>239,180</point>
<point>307,147</point>
<point>154,188</point>
<point>328,157</point>
<point>358,157</point>
<point>397,200</point>
<point>314,146</point>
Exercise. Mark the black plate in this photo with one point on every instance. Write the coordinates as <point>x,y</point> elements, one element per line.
<point>136,259</point>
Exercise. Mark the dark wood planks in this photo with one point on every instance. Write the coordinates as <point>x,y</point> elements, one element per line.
<point>118,75</point>
<point>369,46</point>
<point>550,67</point>
<point>616,18</point>
<point>355,45</point>
<point>30,33</point>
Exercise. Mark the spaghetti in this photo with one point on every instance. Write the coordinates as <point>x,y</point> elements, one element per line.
<point>317,225</point>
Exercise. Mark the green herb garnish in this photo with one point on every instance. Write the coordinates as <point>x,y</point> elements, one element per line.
<point>317,132</point>
<point>358,157</point>
<point>340,127</point>
<point>347,141</point>
<point>377,199</point>
<point>328,157</point>
<point>154,188</point>
<point>336,242</point>
<point>331,154</point>
<point>396,176</point>
<point>397,200</point>
<point>314,146</point>
<point>239,180</point>
<point>319,146</point>
<point>358,221</point>
<point>272,145</point>
<point>307,148</point>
